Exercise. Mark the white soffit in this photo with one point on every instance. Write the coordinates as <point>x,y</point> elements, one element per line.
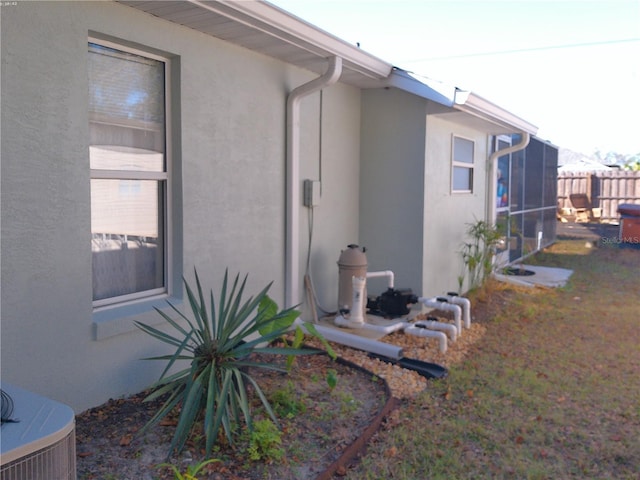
<point>269,30</point>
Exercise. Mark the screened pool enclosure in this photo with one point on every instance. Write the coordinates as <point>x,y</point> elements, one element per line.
<point>526,198</point>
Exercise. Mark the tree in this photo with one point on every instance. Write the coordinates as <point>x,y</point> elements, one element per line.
<point>626,161</point>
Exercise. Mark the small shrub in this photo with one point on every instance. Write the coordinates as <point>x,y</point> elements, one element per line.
<point>192,470</point>
<point>332,378</point>
<point>285,402</point>
<point>265,441</point>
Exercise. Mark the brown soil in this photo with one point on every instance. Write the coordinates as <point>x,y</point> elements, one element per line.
<point>314,438</point>
<point>320,424</point>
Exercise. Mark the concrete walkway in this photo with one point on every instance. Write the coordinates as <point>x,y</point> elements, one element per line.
<point>542,277</point>
<point>590,231</point>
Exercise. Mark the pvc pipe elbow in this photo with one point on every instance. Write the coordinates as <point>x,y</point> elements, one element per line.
<point>465,304</point>
<point>423,332</point>
<point>447,307</point>
<point>441,326</point>
<point>384,273</point>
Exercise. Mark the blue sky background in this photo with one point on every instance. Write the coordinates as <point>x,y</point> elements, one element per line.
<point>571,67</point>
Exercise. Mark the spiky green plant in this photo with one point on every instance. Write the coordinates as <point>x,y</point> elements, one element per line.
<point>477,254</point>
<point>217,342</point>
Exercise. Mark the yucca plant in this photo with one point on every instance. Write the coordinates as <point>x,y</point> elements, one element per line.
<point>217,342</point>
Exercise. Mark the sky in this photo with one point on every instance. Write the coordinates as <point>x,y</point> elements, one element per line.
<point>570,67</point>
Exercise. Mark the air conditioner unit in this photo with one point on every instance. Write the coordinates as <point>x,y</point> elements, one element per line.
<point>38,443</point>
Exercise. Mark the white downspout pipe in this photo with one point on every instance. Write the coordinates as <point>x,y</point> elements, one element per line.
<point>493,172</point>
<point>293,200</point>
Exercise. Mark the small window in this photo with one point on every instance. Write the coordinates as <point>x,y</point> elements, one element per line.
<point>462,165</point>
<point>129,173</point>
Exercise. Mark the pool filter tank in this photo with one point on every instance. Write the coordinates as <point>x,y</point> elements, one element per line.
<point>352,263</point>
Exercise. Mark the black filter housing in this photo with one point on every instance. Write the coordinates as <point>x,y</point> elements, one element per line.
<point>392,303</point>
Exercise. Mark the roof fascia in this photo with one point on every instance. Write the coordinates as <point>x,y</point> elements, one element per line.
<point>278,23</point>
<point>473,104</point>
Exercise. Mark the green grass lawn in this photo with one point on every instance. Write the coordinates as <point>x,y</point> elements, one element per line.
<point>552,391</point>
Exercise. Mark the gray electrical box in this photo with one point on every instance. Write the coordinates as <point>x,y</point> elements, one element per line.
<point>311,193</point>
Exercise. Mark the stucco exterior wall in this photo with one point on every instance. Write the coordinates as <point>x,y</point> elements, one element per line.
<point>333,133</point>
<point>392,185</point>
<point>447,214</point>
<point>410,221</point>
<point>229,196</point>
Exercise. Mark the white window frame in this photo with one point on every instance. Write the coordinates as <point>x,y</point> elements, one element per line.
<point>457,163</point>
<point>162,177</point>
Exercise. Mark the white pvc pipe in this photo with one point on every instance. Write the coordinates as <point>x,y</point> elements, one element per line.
<point>356,341</point>
<point>447,307</point>
<point>441,326</point>
<point>357,301</point>
<point>293,200</point>
<point>423,332</point>
<point>465,304</point>
<point>385,273</point>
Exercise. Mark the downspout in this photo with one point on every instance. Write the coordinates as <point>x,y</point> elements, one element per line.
<point>293,200</point>
<point>493,171</point>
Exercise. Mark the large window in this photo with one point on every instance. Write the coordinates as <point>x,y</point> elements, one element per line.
<point>462,165</point>
<point>129,173</point>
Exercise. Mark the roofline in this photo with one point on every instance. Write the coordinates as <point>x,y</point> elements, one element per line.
<point>276,22</point>
<point>404,80</point>
<point>478,106</point>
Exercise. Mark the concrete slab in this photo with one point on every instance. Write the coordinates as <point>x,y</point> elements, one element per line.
<point>542,277</point>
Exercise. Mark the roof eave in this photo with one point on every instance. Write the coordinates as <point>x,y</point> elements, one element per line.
<point>261,16</point>
<point>480,107</point>
<point>431,90</point>
<point>274,20</point>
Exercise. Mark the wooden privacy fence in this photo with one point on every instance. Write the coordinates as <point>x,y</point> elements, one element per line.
<point>605,189</point>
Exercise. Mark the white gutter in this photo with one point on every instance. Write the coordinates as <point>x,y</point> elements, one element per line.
<point>278,23</point>
<point>477,106</point>
<point>293,199</point>
<point>493,171</point>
